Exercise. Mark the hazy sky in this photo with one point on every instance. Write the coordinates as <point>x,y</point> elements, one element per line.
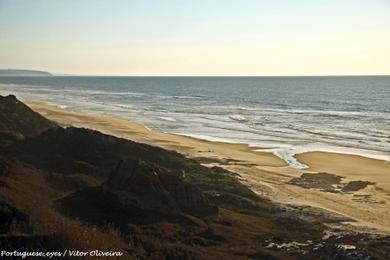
<point>198,37</point>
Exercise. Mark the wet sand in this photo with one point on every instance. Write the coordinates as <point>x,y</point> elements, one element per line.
<point>366,205</point>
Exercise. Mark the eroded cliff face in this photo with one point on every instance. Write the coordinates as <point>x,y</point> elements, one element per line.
<point>151,187</point>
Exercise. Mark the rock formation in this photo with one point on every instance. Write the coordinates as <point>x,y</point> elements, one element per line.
<point>151,187</point>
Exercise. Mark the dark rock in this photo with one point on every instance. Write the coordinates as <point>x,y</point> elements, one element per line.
<point>138,183</point>
<point>151,187</point>
<point>356,185</point>
<point>322,180</point>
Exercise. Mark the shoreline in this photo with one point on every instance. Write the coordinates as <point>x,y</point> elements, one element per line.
<point>291,159</point>
<point>284,149</point>
<point>264,172</point>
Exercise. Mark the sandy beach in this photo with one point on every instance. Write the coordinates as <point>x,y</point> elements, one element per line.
<point>354,187</point>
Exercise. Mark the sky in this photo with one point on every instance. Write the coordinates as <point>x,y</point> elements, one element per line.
<point>196,38</point>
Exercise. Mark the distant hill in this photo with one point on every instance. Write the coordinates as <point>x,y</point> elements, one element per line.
<point>23,73</point>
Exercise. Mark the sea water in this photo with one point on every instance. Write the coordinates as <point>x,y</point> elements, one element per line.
<point>283,115</point>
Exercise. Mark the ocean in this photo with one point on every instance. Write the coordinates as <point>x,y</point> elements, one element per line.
<point>283,115</point>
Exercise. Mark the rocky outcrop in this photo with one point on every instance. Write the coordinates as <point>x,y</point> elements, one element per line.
<point>18,121</point>
<point>151,187</point>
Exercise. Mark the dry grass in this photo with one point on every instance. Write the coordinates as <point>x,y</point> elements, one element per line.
<point>29,192</point>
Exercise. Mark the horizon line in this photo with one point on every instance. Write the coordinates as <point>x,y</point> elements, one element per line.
<point>216,76</point>
<point>59,74</point>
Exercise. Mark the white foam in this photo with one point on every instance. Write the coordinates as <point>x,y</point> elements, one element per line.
<point>62,106</point>
<point>289,158</point>
<point>239,118</point>
<point>167,118</point>
<point>207,138</point>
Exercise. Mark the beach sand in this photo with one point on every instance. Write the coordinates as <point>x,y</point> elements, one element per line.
<point>365,204</point>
